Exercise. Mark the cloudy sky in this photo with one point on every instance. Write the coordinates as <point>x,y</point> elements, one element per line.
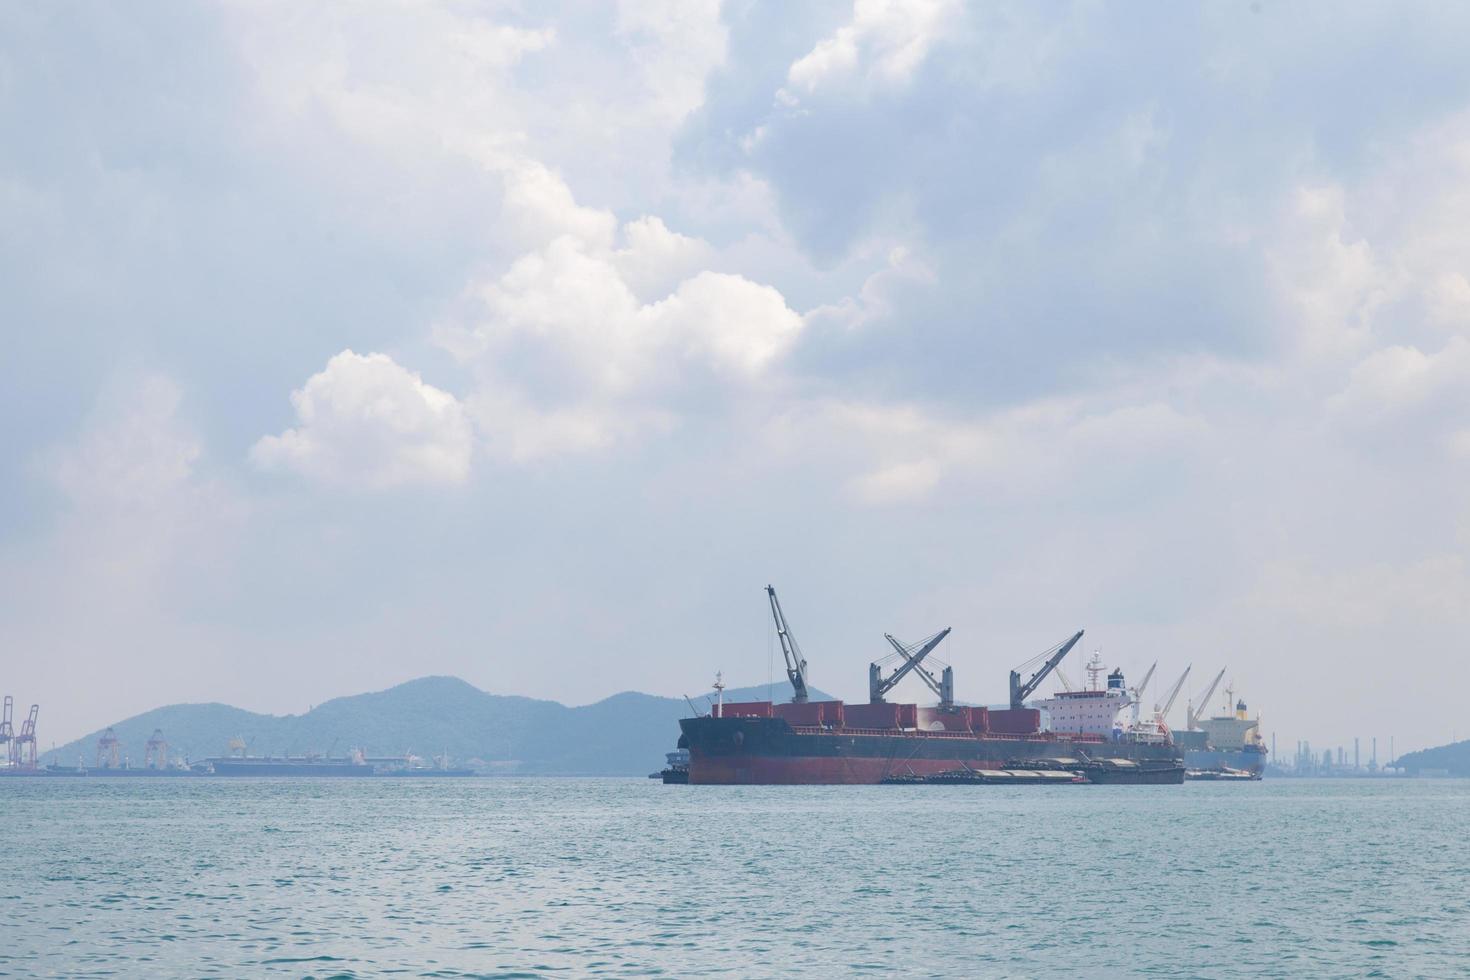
<point>345,344</point>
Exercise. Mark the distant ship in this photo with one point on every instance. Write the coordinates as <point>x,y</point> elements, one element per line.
<point>286,766</point>
<point>1226,743</point>
<point>353,765</point>
<point>807,742</point>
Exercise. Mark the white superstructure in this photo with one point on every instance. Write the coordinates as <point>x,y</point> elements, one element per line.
<point>1232,731</point>
<point>1094,711</point>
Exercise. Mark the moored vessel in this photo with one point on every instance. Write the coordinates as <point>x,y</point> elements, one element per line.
<point>807,742</point>
<point>1227,743</point>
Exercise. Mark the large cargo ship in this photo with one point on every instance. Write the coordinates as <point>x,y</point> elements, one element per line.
<point>805,742</point>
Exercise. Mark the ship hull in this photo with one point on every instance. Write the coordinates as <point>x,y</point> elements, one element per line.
<point>751,751</point>
<point>248,767</point>
<point>1214,760</point>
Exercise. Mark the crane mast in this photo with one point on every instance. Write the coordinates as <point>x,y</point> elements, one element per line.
<point>795,665</point>
<point>1194,715</point>
<point>1020,692</point>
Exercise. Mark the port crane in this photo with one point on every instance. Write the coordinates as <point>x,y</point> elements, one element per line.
<point>1194,716</point>
<point>25,742</point>
<point>1048,660</point>
<point>1163,712</point>
<point>109,751</point>
<point>912,656</point>
<point>795,664</point>
<point>155,751</point>
<point>7,729</point>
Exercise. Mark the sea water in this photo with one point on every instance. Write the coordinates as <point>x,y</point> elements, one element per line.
<point>625,877</point>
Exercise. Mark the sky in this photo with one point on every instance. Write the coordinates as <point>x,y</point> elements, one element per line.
<point>345,344</point>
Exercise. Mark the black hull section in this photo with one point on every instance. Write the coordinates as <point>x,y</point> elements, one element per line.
<point>1142,775</point>
<point>768,750</point>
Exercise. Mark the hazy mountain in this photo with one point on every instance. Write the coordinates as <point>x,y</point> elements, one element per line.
<point>1455,758</point>
<point>626,734</point>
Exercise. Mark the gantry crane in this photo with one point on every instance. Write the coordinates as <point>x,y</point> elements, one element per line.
<point>912,655</point>
<point>7,730</point>
<point>25,742</point>
<point>1048,660</point>
<point>795,664</point>
<point>109,751</point>
<point>155,751</point>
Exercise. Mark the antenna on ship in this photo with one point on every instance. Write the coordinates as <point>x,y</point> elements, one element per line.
<point>720,694</point>
<point>1094,667</point>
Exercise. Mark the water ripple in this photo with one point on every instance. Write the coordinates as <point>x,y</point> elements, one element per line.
<point>552,878</point>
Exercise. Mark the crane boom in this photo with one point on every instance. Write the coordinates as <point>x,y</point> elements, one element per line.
<point>879,686</point>
<point>1174,692</point>
<point>1138,691</point>
<point>922,671</point>
<point>795,665</point>
<point>1194,713</point>
<point>1020,692</point>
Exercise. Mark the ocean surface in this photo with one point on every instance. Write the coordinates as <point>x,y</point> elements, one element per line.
<point>625,877</point>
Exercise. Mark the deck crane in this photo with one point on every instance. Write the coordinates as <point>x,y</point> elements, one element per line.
<point>795,665</point>
<point>912,655</point>
<point>1048,660</point>
<point>7,729</point>
<point>1136,694</point>
<point>1194,715</point>
<point>1163,712</point>
<point>1138,691</point>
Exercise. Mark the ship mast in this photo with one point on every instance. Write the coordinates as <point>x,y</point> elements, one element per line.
<point>1094,668</point>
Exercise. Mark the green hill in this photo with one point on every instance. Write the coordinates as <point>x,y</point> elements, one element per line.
<point>1453,758</point>
<point>626,734</point>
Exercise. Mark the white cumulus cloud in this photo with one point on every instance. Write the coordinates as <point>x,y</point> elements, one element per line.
<point>886,40</point>
<point>364,420</point>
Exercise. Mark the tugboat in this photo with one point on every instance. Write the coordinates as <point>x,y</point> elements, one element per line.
<point>676,771</point>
